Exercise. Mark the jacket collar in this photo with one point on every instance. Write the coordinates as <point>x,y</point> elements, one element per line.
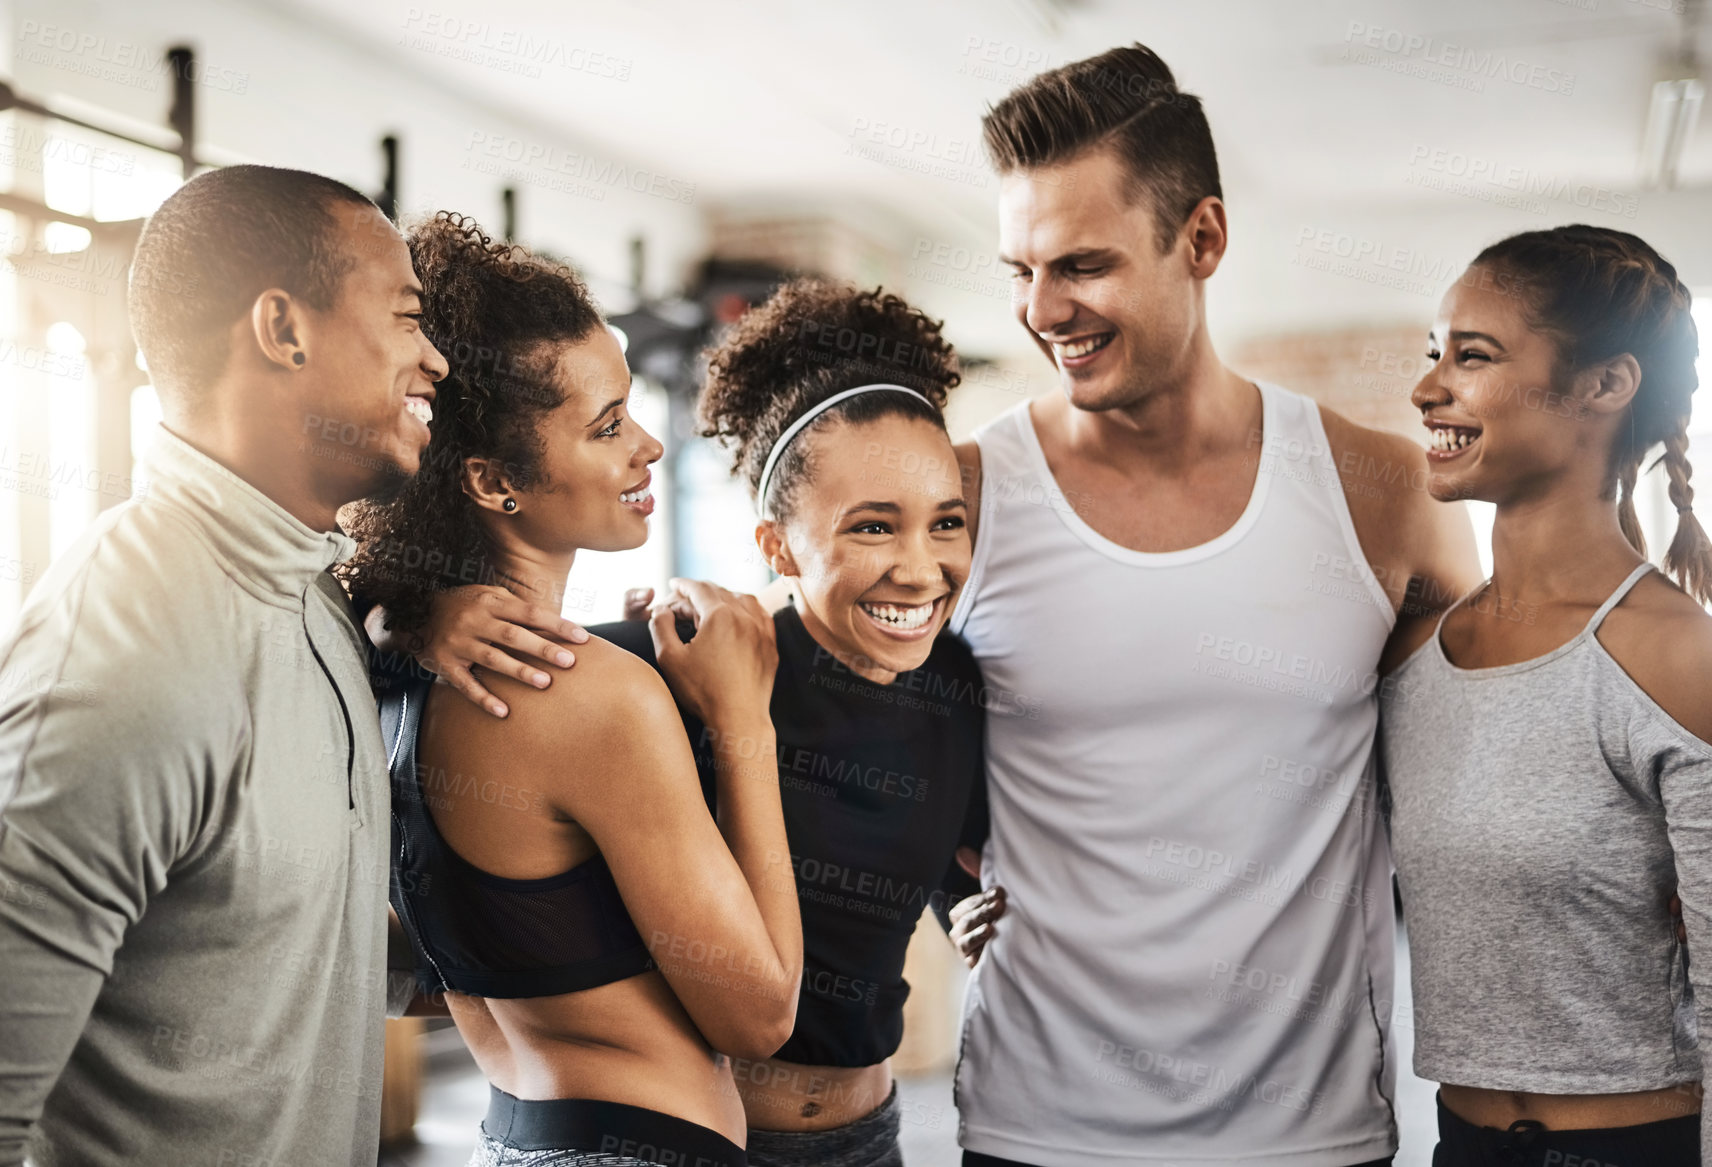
<point>275,554</point>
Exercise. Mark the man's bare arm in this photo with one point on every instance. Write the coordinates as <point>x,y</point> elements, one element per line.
<point>1422,551</point>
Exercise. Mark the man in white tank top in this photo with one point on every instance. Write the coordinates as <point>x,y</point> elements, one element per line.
<point>1182,589</point>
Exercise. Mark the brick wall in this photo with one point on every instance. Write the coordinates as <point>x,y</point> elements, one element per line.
<point>1365,374</point>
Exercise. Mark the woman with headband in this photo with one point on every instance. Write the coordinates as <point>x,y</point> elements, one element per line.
<point>1548,747</point>
<point>602,943</point>
<point>878,716</point>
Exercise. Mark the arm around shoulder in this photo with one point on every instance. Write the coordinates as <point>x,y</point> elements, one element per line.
<point>1421,549</point>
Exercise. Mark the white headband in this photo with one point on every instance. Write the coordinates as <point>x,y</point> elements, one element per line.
<point>797,426</point>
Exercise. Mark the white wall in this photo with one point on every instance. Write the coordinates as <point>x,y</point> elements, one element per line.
<point>280,90</point>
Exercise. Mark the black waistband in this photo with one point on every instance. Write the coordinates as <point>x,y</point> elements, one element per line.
<point>1667,1142</point>
<point>615,1128</point>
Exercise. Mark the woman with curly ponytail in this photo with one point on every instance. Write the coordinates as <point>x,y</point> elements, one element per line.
<point>831,403</point>
<point>1547,746</point>
<point>557,871</point>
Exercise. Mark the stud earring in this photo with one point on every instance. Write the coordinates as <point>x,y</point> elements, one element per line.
<point>510,505</point>
<point>298,358</point>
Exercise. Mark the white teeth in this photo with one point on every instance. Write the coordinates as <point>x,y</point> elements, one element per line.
<point>1082,348</point>
<point>1452,439</point>
<point>419,408</point>
<point>636,495</point>
<point>905,619</point>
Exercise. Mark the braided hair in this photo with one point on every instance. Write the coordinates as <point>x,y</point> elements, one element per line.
<point>1600,293</point>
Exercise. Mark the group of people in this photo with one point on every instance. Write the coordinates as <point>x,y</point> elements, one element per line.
<point>1141,689</point>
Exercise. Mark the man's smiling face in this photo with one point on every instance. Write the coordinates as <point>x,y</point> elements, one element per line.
<point>1116,315</point>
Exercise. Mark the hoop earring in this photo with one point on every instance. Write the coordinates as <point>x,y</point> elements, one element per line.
<point>510,505</point>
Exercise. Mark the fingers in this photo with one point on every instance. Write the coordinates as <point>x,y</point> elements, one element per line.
<point>702,596</point>
<point>973,943</point>
<point>491,658</point>
<point>969,860</point>
<point>985,908</point>
<point>663,628</point>
<point>636,602</point>
<point>521,640</point>
<point>510,613</point>
<point>678,605</point>
<point>545,619</point>
<point>974,923</point>
<point>962,908</point>
<point>465,682</point>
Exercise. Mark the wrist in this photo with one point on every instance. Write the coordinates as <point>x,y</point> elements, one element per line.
<point>743,745</point>
<point>742,737</point>
<point>739,714</point>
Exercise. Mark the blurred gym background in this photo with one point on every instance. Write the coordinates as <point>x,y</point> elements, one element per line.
<point>686,156</point>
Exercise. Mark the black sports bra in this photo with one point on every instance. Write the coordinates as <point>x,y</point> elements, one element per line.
<point>478,933</point>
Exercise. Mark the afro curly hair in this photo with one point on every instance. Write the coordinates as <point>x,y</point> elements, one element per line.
<point>811,339</point>
<point>499,315</point>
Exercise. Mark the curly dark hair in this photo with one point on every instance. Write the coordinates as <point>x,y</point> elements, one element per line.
<point>499,315</point>
<point>811,339</point>
<point>1598,293</point>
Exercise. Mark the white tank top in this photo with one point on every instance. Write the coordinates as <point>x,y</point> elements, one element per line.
<point>1196,966</point>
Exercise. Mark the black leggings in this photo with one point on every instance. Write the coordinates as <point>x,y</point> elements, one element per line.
<point>1670,1142</point>
<point>533,1133</point>
<point>976,1159</point>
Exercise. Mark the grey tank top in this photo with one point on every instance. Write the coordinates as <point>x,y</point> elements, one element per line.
<point>1541,815</point>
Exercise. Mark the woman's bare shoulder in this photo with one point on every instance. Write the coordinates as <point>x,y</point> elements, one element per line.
<point>1662,638</point>
<point>607,686</point>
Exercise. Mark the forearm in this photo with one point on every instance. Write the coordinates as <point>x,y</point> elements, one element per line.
<point>750,818</point>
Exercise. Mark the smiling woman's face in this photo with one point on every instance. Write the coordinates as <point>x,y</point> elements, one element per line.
<point>1503,421</point>
<point>876,542</point>
<point>595,488</point>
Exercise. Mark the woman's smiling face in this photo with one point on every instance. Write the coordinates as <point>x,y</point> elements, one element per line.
<point>594,457</point>
<point>1503,418</point>
<point>876,541</point>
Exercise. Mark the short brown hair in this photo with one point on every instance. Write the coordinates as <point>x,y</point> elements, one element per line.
<point>1127,98</point>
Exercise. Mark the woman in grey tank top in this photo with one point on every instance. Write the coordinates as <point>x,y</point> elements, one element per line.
<point>1546,744</point>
